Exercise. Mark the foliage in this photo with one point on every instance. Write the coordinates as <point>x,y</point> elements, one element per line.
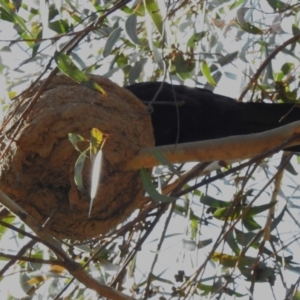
<point>227,236</point>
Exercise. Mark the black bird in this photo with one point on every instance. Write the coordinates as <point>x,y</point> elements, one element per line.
<point>182,114</point>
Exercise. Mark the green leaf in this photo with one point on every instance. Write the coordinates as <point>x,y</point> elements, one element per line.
<point>74,139</point>
<point>277,5</point>
<point>111,41</point>
<point>162,159</point>
<point>212,202</point>
<point>78,170</point>
<point>37,44</point>
<point>252,211</point>
<point>232,242</point>
<point>4,15</point>
<point>250,224</point>
<point>248,27</point>
<point>296,31</point>
<point>244,238</point>
<point>182,69</point>
<point>230,261</point>
<point>287,67</point>
<point>136,70</point>
<point>13,16</point>
<point>296,295</point>
<point>204,243</point>
<point>59,26</point>
<point>206,72</point>
<point>290,168</point>
<point>20,235</point>
<point>151,189</point>
<point>195,38</point>
<point>3,229</point>
<point>66,65</point>
<point>130,29</point>
<point>221,213</point>
<point>278,219</point>
<point>153,10</point>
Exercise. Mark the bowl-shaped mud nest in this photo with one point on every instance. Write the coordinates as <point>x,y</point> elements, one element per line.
<point>38,170</point>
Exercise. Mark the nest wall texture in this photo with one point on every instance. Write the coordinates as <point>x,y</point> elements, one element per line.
<point>38,171</point>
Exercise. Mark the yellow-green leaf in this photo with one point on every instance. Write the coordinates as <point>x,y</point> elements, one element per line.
<point>221,213</point>
<point>66,65</point>
<point>206,72</point>
<point>78,170</point>
<point>153,10</point>
<point>230,261</point>
<point>96,140</point>
<point>17,19</point>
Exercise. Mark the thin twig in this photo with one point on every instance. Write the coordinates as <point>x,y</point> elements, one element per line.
<point>162,239</point>
<point>74,268</point>
<point>266,62</point>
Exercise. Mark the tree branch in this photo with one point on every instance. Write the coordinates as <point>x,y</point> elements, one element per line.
<point>224,149</point>
<point>73,267</point>
<point>266,62</point>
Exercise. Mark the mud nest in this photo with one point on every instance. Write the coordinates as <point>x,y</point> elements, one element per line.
<point>38,170</point>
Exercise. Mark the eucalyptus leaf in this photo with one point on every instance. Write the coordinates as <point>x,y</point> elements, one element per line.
<point>153,10</point>
<point>151,189</point>
<point>66,65</point>
<point>111,41</point>
<point>78,170</point>
<point>130,29</point>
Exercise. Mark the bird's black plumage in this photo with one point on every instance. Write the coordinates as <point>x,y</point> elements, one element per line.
<point>183,114</point>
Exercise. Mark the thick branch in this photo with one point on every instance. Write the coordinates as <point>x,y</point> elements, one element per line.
<point>224,149</point>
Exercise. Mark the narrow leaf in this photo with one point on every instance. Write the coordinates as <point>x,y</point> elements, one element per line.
<point>59,26</point>
<point>278,219</point>
<point>151,189</point>
<point>194,39</point>
<point>258,209</point>
<point>251,224</point>
<point>212,202</point>
<point>248,27</point>
<point>222,213</point>
<point>111,41</point>
<point>16,18</point>
<point>277,5</point>
<point>136,70</point>
<point>232,242</point>
<point>206,72</point>
<point>182,69</point>
<point>231,260</point>
<point>130,29</point>
<point>96,141</point>
<point>66,65</point>
<point>162,159</point>
<point>244,238</point>
<point>78,170</point>
<point>74,139</point>
<point>153,10</point>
